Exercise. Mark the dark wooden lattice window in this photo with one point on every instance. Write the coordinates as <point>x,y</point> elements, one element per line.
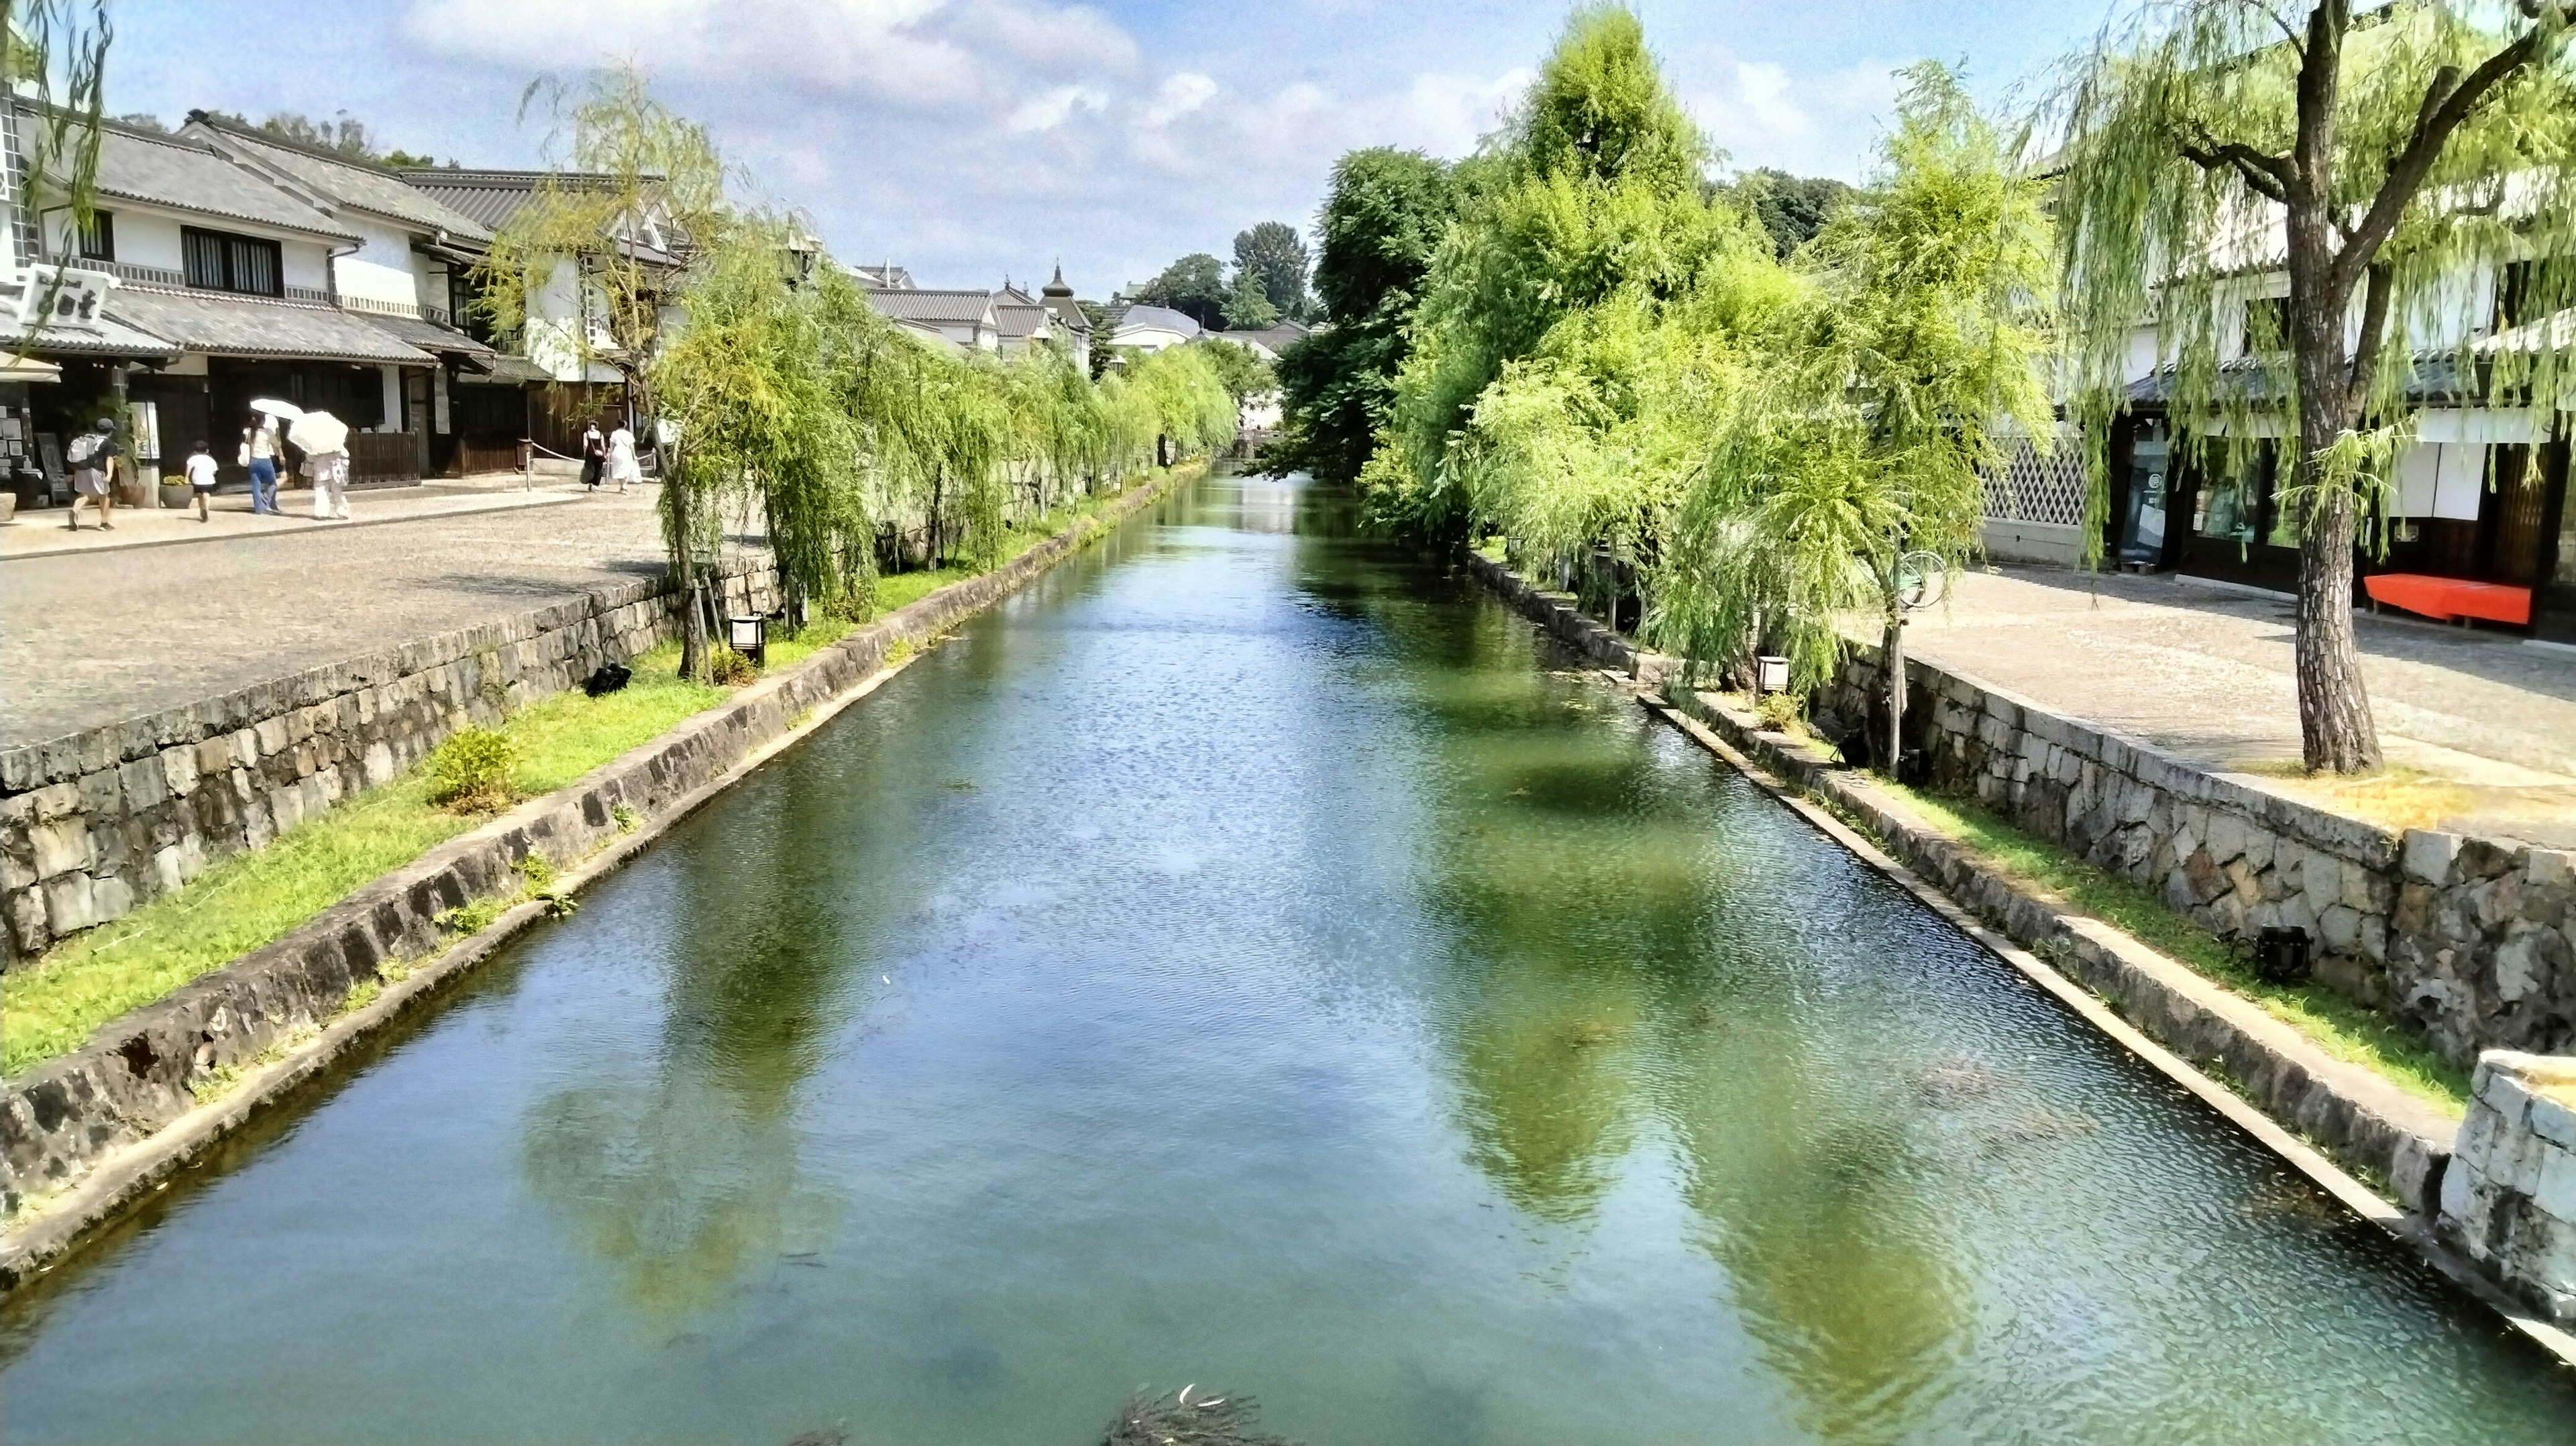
<point>217,261</point>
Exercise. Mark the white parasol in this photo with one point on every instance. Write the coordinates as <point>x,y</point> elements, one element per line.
<point>270,407</point>
<point>319,432</point>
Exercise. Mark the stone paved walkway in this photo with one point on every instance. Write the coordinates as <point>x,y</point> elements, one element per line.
<point>2207,673</point>
<point>95,637</point>
<point>44,533</point>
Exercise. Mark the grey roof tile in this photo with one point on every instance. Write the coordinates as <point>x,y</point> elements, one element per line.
<point>363,185</point>
<point>223,324</point>
<point>187,175</point>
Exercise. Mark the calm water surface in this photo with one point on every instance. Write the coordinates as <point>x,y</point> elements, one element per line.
<point>1251,958</point>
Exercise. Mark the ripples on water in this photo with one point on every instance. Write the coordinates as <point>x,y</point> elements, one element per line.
<point>1251,958</point>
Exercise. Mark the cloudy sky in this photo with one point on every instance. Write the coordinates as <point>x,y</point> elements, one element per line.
<point>973,138</point>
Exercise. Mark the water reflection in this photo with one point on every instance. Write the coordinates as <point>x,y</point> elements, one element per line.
<point>680,1166</point>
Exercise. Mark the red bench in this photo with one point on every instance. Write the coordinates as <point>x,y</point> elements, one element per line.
<point>2451,597</point>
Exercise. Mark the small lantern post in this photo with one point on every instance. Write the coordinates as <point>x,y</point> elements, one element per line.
<point>1770,674</point>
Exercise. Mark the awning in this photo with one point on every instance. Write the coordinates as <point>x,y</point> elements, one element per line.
<point>431,336</point>
<point>220,324</point>
<point>505,370</point>
<point>16,368</point>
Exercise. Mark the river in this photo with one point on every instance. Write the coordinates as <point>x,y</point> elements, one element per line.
<point>1251,958</point>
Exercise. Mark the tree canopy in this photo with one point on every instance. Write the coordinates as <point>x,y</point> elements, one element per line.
<point>1791,209</point>
<point>1274,256</point>
<point>1383,218</point>
<point>1194,286</point>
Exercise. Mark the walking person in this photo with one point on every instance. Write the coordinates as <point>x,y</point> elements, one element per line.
<point>594,455</point>
<point>201,481</point>
<point>622,466</point>
<point>94,455</point>
<point>330,474</point>
<point>261,449</point>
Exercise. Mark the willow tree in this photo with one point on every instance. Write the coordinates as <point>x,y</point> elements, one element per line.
<point>749,383</point>
<point>1882,400</point>
<point>2383,159</point>
<point>586,270</point>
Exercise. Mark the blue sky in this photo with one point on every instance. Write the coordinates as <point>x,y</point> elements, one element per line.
<point>973,138</point>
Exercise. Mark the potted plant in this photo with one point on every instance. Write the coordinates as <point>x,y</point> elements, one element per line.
<point>175,492</point>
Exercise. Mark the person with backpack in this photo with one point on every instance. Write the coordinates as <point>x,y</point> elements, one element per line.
<point>93,456</point>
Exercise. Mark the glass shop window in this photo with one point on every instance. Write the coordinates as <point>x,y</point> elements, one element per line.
<point>2231,494</point>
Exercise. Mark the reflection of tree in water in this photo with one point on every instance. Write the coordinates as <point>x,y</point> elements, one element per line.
<point>689,1179</point>
<point>1621,961</point>
<point>1815,1207</point>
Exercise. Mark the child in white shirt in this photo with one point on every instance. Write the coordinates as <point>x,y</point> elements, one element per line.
<point>201,480</point>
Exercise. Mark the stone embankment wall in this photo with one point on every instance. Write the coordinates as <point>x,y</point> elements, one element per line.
<point>2472,940</point>
<point>97,822</point>
<point>2509,1198</point>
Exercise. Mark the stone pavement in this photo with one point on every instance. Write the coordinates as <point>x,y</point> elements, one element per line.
<point>43,533</point>
<point>2206,672</point>
<point>97,637</point>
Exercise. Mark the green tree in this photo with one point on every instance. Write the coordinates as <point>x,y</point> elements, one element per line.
<point>1194,286</point>
<point>1239,368</point>
<point>1275,255</point>
<point>1791,209</point>
<point>646,188</point>
<point>1880,402</point>
<point>2377,156</point>
<point>1382,220</point>
<point>1601,112</point>
<point>1247,307</point>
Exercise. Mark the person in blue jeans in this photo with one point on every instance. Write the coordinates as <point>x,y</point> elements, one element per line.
<point>261,448</point>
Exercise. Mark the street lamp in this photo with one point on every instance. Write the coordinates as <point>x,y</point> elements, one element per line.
<point>751,638</point>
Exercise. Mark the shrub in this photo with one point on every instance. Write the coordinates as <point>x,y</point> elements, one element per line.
<point>1780,712</point>
<point>729,668</point>
<point>474,772</point>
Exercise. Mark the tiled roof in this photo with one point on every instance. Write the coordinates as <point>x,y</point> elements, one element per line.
<point>430,335</point>
<point>228,325</point>
<point>1019,320</point>
<point>937,307</point>
<point>511,370</point>
<point>491,198</point>
<point>187,175</point>
<point>1069,315</point>
<point>887,275</point>
<point>1136,318</point>
<point>366,186</point>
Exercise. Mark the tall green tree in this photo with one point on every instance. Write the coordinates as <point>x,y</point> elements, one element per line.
<point>1383,218</point>
<point>1881,403</point>
<point>2378,156</point>
<point>1275,255</point>
<point>1194,286</point>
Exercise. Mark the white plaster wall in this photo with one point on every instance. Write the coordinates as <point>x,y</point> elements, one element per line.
<point>149,236</point>
<point>383,268</point>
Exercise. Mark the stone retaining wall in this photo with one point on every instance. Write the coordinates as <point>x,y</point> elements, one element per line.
<point>2509,1201</point>
<point>2473,941</point>
<point>95,823</point>
<point>136,1076</point>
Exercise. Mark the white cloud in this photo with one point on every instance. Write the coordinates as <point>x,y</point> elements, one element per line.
<point>1820,124</point>
<point>1047,111</point>
<point>1178,96</point>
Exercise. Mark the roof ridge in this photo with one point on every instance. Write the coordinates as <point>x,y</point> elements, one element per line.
<point>257,136</point>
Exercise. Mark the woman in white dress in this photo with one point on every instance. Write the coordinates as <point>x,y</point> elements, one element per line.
<point>622,466</point>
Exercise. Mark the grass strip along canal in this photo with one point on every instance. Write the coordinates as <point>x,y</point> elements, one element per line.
<point>1252,957</point>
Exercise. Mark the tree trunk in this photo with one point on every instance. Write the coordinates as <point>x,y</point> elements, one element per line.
<point>1891,662</point>
<point>2336,732</point>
